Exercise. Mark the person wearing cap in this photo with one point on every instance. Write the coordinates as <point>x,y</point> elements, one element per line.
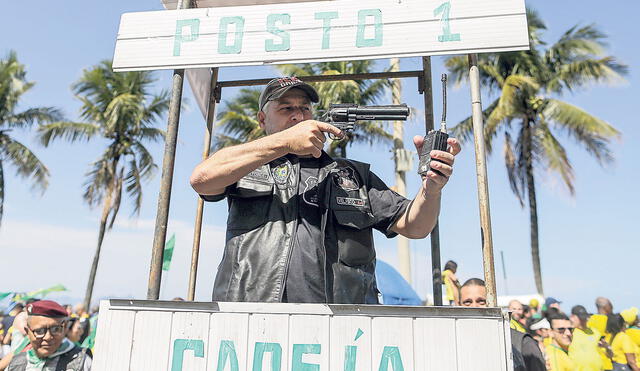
<point>300,222</point>
<point>630,317</point>
<point>539,329</point>
<point>552,303</point>
<point>46,328</point>
<point>584,348</point>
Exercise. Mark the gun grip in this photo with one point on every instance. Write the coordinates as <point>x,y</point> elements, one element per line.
<point>433,140</point>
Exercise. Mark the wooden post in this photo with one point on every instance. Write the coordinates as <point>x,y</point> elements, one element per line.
<point>197,229</point>
<point>404,253</point>
<point>427,94</point>
<point>483,186</point>
<point>164,198</point>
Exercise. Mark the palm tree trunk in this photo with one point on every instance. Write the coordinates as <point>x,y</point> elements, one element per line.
<point>96,257</point>
<point>533,211</point>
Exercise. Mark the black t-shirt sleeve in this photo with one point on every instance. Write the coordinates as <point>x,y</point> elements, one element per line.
<point>386,205</point>
<point>215,198</point>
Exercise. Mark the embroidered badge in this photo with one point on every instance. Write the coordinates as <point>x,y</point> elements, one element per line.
<point>350,201</point>
<point>260,174</point>
<point>345,178</point>
<point>281,174</point>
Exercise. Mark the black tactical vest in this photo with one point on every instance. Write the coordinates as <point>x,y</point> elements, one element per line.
<point>261,230</point>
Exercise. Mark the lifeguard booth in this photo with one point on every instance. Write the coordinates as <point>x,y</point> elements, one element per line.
<point>141,335</point>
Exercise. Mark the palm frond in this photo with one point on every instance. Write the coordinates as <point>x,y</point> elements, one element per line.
<point>27,164</point>
<point>593,133</point>
<point>134,185</point>
<point>69,131</point>
<point>516,181</point>
<point>33,115</point>
<point>555,155</point>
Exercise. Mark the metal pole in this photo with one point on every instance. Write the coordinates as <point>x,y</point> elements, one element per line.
<point>168,161</point>
<point>404,254</point>
<point>197,230</point>
<point>483,186</point>
<point>427,94</point>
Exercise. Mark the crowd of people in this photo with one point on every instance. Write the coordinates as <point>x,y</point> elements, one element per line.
<point>573,341</point>
<point>43,335</point>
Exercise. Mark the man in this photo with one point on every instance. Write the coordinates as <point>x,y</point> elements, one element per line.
<point>526,354</point>
<point>561,335</point>
<point>517,311</point>
<point>540,330</point>
<point>552,303</point>
<point>300,223</point>
<point>630,317</point>
<point>51,350</point>
<point>583,350</point>
<point>598,322</point>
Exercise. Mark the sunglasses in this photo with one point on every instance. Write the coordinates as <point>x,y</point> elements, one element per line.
<point>40,333</point>
<point>562,330</point>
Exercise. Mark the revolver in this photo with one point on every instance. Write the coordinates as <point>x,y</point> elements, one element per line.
<point>344,116</point>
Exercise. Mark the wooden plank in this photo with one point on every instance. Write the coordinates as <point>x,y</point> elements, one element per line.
<point>309,343</point>
<point>151,341</point>
<point>478,343</point>
<point>189,336</point>
<point>317,31</point>
<point>350,338</point>
<point>113,339</point>
<point>228,338</point>
<point>392,343</point>
<point>435,344</point>
<point>268,340</point>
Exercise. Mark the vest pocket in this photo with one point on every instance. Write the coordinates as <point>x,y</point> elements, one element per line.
<point>354,237</point>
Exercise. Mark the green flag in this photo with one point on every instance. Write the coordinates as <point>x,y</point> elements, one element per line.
<point>4,294</point>
<point>168,253</point>
<point>39,293</point>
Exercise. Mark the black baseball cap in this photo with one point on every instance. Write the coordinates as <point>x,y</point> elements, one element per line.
<point>277,87</point>
<point>580,312</point>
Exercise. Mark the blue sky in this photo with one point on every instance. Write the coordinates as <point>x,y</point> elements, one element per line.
<point>589,245</point>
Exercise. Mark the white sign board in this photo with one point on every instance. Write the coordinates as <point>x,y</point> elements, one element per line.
<point>317,31</point>
<point>187,336</point>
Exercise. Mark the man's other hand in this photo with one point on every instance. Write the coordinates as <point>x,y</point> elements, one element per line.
<point>307,137</point>
<point>432,182</point>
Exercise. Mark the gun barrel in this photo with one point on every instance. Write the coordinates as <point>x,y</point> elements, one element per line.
<point>340,113</point>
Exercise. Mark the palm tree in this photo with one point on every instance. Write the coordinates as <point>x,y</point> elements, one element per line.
<point>530,114</point>
<point>13,84</point>
<point>119,109</point>
<point>239,117</point>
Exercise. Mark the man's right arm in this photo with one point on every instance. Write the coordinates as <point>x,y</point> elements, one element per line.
<point>230,164</point>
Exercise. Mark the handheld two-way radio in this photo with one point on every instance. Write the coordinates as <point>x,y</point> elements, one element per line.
<point>435,139</point>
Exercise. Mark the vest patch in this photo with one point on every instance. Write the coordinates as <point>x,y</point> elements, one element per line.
<point>281,174</point>
<point>350,201</point>
<point>345,178</point>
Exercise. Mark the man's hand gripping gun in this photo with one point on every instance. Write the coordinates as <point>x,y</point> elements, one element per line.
<point>344,116</point>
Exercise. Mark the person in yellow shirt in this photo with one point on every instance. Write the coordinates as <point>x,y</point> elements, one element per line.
<point>516,309</point>
<point>585,343</point>
<point>630,317</point>
<point>623,349</point>
<point>451,283</point>
<point>557,352</point>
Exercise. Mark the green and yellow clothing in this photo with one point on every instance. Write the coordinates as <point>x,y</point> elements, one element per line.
<point>448,284</point>
<point>621,345</point>
<point>583,350</point>
<point>558,359</point>
<point>517,326</point>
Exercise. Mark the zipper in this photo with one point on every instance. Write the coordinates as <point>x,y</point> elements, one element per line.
<point>294,233</point>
